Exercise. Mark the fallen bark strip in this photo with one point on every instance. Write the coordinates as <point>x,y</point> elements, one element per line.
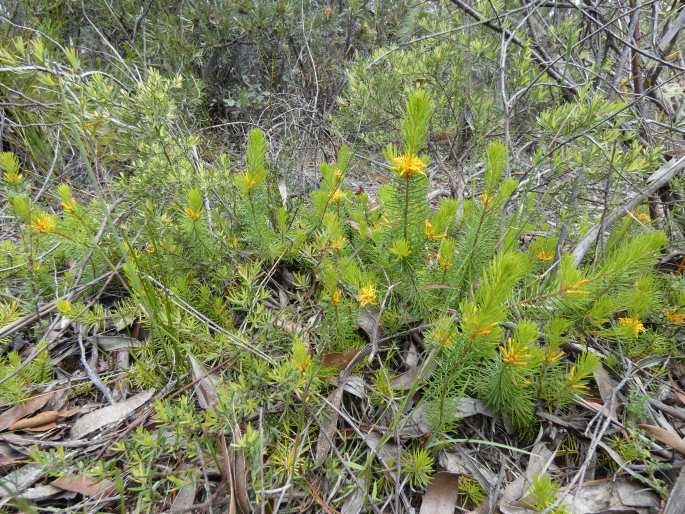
<point>656,181</point>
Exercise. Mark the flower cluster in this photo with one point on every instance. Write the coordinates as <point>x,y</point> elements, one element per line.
<point>409,165</point>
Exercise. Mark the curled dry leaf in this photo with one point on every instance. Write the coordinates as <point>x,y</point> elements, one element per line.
<point>43,428</point>
<point>84,485</point>
<point>205,384</point>
<point>442,493</point>
<point>108,416</point>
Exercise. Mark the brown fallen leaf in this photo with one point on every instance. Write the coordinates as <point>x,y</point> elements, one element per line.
<point>664,436</point>
<point>606,385</point>
<point>677,392</point>
<point>406,379</point>
<point>11,416</point>
<point>235,476</point>
<point>369,321</point>
<point>185,497</point>
<point>355,501</point>
<point>20,479</point>
<point>85,485</point>
<point>205,384</point>
<point>676,499</point>
<point>109,416</point>
<point>611,495</point>
<point>338,360</point>
<point>329,425</point>
<point>417,424</point>
<point>239,474</point>
<point>39,493</point>
<point>43,428</point>
<point>389,453</point>
<point>441,495</point>
<point>38,420</point>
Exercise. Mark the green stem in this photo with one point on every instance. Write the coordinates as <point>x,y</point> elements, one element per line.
<point>406,207</point>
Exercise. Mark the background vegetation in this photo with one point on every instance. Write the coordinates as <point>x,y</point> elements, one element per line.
<point>346,256</point>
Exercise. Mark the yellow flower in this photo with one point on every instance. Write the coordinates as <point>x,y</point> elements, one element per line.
<point>633,324</point>
<point>430,233</point>
<point>400,248</point>
<point>367,296</point>
<point>674,317</point>
<point>64,307</point>
<point>409,165</point>
<point>248,181</point>
<point>13,178</point>
<point>69,205</point>
<point>338,243</point>
<point>338,174</point>
<point>443,332</point>
<point>551,357</point>
<point>575,382</point>
<point>193,214</point>
<point>338,196</point>
<point>544,255</point>
<point>336,297</point>
<point>575,288</point>
<point>487,330</point>
<point>643,217</point>
<point>513,355</point>
<point>43,223</point>
<point>486,198</point>
<point>445,262</point>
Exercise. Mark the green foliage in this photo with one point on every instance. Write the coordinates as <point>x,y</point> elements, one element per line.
<point>543,492</point>
<point>19,378</point>
<point>207,255</point>
<point>418,466</point>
